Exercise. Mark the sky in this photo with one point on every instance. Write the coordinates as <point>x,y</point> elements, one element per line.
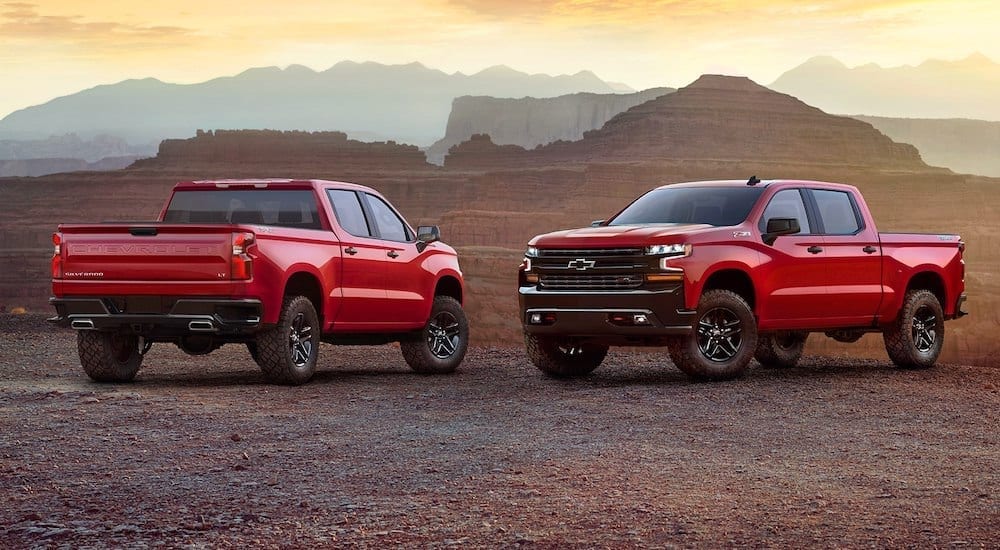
<point>50,48</point>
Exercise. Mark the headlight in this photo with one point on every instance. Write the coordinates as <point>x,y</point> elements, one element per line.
<point>531,252</point>
<point>670,250</point>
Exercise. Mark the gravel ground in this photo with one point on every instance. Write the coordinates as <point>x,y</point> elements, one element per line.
<point>199,452</point>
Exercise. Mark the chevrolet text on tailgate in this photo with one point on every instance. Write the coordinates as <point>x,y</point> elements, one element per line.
<point>725,271</point>
<point>278,265</point>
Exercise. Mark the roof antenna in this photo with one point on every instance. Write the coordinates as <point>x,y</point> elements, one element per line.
<point>754,180</point>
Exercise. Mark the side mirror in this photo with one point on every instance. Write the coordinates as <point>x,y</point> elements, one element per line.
<point>597,223</point>
<point>780,226</point>
<point>426,234</point>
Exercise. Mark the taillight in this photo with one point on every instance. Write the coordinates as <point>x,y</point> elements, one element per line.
<point>241,262</point>
<point>57,262</point>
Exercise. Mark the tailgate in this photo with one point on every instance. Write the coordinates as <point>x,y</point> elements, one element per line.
<point>149,252</point>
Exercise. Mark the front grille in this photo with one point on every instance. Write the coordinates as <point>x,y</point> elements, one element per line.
<point>589,252</point>
<point>572,263</point>
<point>591,282</point>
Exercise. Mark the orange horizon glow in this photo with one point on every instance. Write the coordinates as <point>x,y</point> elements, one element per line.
<point>50,48</point>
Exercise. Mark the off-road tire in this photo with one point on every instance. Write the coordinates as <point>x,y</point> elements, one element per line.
<point>723,341</point>
<point>252,350</point>
<point>287,352</point>
<point>109,356</point>
<point>561,359</point>
<point>915,338</point>
<point>441,345</point>
<point>780,349</point>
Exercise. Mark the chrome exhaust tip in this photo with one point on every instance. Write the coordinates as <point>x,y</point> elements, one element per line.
<point>81,324</point>
<point>201,326</point>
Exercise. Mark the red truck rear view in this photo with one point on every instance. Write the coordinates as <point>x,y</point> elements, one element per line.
<point>279,265</point>
<point>723,272</point>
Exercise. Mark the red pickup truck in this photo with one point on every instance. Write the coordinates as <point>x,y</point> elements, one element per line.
<point>279,265</point>
<point>722,272</point>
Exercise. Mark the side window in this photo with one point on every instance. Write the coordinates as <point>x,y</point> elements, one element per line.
<point>390,227</point>
<point>350,215</point>
<point>837,212</point>
<point>786,204</point>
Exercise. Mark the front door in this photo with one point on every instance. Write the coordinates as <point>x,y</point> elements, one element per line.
<point>406,288</point>
<point>792,289</point>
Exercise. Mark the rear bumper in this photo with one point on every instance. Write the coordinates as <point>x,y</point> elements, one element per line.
<point>222,317</point>
<point>958,306</point>
<point>607,317</point>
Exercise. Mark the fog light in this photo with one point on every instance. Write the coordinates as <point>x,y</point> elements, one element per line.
<point>629,319</point>
<point>541,318</point>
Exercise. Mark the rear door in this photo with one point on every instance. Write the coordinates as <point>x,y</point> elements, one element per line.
<point>362,280</point>
<point>852,258</point>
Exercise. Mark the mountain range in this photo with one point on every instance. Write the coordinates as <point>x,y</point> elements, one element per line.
<point>967,88</point>
<point>408,103</point>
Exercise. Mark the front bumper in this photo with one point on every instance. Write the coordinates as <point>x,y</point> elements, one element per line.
<point>215,316</point>
<point>596,316</point>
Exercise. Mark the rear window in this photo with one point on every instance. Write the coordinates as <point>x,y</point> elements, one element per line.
<point>286,208</point>
<point>710,205</point>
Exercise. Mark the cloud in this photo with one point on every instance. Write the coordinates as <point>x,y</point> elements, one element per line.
<point>21,22</point>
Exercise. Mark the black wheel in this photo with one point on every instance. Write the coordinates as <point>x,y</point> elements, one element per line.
<point>723,341</point>
<point>780,349</point>
<point>562,358</point>
<point>109,356</point>
<point>287,353</point>
<point>915,338</point>
<point>443,342</point>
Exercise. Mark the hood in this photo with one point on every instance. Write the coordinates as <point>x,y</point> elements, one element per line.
<point>616,235</point>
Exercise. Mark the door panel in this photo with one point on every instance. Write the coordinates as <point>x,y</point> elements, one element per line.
<point>792,288</point>
<point>853,258</point>
<point>793,285</point>
<point>405,296</point>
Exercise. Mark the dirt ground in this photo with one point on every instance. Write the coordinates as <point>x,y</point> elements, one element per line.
<point>198,452</point>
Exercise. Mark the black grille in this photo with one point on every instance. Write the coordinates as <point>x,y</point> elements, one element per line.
<point>589,252</point>
<point>591,282</point>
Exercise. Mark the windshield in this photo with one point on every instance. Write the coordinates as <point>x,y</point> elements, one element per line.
<point>709,205</point>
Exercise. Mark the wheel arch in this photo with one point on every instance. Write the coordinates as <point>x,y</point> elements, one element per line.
<point>304,283</point>
<point>449,285</point>
<point>732,279</point>
<point>929,280</point>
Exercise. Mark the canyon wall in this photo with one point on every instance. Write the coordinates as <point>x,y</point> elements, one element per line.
<point>531,121</point>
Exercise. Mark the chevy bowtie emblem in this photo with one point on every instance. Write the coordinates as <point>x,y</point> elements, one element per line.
<point>581,264</point>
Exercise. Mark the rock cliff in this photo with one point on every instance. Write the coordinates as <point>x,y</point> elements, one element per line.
<point>531,121</point>
<point>966,146</point>
<point>34,167</point>
<point>249,148</point>
<point>716,119</point>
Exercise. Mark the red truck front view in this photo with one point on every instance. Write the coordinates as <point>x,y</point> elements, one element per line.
<point>726,271</point>
<point>278,265</point>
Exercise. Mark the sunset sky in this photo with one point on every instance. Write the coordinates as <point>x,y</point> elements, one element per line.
<point>56,47</point>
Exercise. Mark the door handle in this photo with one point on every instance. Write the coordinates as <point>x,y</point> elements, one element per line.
<point>869,249</point>
<point>392,254</point>
<point>350,250</point>
<point>814,249</point>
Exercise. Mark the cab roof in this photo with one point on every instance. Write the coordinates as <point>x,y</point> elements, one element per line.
<point>762,183</point>
<point>265,183</point>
